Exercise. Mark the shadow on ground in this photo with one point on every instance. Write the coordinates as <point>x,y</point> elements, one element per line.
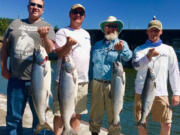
<point>26,131</point>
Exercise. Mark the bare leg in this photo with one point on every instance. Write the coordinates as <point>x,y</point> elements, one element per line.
<point>165,128</point>
<point>142,131</point>
<point>75,122</point>
<point>58,125</point>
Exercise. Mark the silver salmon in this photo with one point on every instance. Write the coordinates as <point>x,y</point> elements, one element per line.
<point>118,89</point>
<point>147,96</point>
<point>41,87</point>
<point>67,93</point>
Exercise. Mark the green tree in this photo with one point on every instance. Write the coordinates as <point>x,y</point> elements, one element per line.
<point>3,25</point>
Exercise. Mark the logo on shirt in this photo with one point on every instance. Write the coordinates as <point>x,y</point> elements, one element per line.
<point>24,47</point>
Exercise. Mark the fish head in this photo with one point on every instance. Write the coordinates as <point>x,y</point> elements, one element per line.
<point>68,64</point>
<point>152,73</point>
<point>117,68</point>
<point>40,55</point>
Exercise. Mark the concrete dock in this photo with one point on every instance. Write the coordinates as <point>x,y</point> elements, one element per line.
<point>27,120</point>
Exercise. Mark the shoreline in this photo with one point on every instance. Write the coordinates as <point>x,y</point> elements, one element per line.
<point>27,120</point>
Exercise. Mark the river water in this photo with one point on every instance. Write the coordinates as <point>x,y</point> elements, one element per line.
<point>128,123</point>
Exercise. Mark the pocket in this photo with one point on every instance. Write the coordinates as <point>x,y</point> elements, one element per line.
<point>112,56</point>
<point>97,56</point>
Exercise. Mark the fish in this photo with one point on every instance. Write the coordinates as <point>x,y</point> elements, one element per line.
<point>117,90</point>
<point>147,96</point>
<point>41,87</point>
<point>67,93</point>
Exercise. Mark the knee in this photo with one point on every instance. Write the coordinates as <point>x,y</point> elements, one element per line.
<point>166,126</point>
<point>57,120</point>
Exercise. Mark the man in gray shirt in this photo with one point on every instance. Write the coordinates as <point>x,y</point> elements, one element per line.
<point>20,39</point>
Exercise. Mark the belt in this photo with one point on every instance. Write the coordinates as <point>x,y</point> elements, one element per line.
<point>82,83</point>
<point>102,81</point>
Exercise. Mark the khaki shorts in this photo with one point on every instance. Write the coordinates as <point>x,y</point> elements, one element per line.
<point>81,99</point>
<point>161,111</point>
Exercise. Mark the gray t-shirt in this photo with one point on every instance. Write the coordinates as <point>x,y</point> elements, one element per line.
<point>22,39</point>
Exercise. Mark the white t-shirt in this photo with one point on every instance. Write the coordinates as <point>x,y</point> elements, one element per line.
<point>80,52</point>
<point>163,64</point>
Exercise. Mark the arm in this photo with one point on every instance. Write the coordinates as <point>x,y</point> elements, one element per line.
<point>174,77</point>
<point>125,52</point>
<point>139,61</point>
<point>91,66</point>
<point>64,50</point>
<point>4,57</point>
<point>48,43</point>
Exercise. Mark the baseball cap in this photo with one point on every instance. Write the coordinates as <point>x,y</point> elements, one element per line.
<point>155,24</point>
<point>75,6</point>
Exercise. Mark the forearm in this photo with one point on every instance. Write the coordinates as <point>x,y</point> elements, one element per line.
<point>62,51</point>
<point>139,63</point>
<point>126,53</point>
<point>4,55</point>
<point>48,44</point>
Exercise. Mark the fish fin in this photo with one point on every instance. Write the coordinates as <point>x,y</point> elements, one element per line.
<point>48,109</point>
<point>140,124</point>
<point>45,70</point>
<point>69,132</point>
<point>40,127</point>
<point>124,78</point>
<point>154,84</point>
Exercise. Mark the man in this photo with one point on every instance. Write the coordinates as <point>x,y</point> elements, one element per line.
<point>75,41</point>
<point>20,39</point>
<point>104,53</point>
<point>163,60</point>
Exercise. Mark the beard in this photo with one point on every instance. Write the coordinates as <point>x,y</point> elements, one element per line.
<point>111,36</point>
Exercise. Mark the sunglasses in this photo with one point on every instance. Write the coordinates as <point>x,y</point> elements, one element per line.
<point>111,26</point>
<point>35,4</point>
<point>80,12</point>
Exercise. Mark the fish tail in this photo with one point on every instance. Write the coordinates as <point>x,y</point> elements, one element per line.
<point>69,132</point>
<point>40,127</point>
<point>140,124</point>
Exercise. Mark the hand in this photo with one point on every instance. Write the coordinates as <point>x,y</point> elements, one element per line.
<point>175,100</point>
<point>5,73</point>
<point>71,42</point>
<point>43,31</point>
<point>119,46</point>
<point>152,53</point>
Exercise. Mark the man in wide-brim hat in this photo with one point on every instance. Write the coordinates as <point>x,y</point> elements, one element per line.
<point>104,53</point>
<point>112,20</point>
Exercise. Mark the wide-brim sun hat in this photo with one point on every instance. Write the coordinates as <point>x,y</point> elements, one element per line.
<point>112,19</point>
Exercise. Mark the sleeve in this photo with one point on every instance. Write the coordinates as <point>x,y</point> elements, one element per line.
<point>174,75</point>
<point>60,39</point>
<point>126,53</point>
<point>139,60</point>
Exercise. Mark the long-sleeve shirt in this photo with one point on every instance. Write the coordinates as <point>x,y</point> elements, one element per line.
<point>163,64</point>
<point>103,55</point>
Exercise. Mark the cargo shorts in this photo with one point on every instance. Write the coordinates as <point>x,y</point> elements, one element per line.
<point>81,106</point>
<point>161,112</point>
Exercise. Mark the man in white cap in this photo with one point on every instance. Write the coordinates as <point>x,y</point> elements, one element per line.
<point>104,53</point>
<point>75,41</point>
<point>163,60</point>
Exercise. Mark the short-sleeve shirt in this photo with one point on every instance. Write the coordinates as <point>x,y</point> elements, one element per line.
<point>80,52</point>
<point>23,38</point>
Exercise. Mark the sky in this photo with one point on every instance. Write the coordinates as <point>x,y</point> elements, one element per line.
<point>135,14</point>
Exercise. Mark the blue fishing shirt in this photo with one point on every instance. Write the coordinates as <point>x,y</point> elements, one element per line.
<point>103,55</point>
